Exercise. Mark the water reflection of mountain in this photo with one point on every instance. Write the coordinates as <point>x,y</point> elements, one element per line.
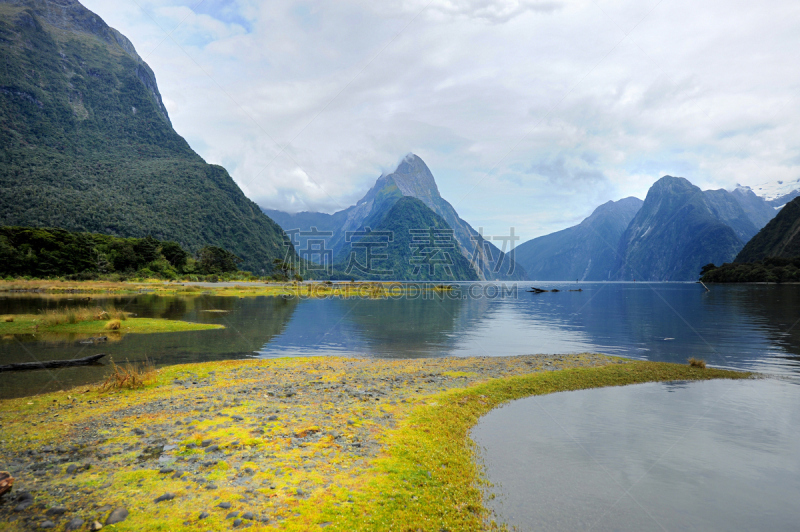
<point>390,328</point>
<point>250,323</point>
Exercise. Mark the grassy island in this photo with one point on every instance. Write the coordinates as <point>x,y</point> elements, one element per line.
<point>34,323</point>
<point>285,444</point>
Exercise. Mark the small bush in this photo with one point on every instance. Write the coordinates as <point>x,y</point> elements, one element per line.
<point>697,363</point>
<point>113,325</point>
<point>130,376</point>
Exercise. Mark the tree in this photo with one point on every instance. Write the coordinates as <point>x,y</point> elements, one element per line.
<point>216,260</point>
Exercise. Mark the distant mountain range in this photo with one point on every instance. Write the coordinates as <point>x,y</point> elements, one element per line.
<point>411,179</point>
<point>670,236</point>
<point>86,143</point>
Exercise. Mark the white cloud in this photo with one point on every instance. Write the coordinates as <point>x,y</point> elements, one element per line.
<point>529,113</point>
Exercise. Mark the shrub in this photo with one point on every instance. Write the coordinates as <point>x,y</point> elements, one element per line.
<point>130,376</point>
<point>697,363</point>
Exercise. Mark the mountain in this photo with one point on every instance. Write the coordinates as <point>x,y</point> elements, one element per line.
<point>86,143</point>
<point>412,178</point>
<point>779,238</point>
<point>759,210</point>
<point>727,208</point>
<point>418,245</point>
<point>586,251</point>
<point>677,231</point>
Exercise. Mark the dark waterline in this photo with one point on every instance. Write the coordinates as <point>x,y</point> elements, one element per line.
<point>717,455</point>
<point>746,327</point>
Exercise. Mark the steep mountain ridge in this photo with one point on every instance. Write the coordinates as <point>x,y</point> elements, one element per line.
<point>586,251</point>
<point>86,143</point>
<point>409,256</point>
<point>779,238</point>
<point>411,178</point>
<point>673,235</point>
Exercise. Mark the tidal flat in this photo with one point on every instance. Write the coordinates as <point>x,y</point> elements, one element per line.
<point>289,444</point>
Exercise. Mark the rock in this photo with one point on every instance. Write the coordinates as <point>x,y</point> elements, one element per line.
<point>232,515</point>
<point>165,497</point>
<point>117,516</point>
<point>247,515</point>
<point>237,418</point>
<point>47,524</point>
<point>74,524</point>
<point>177,474</point>
<point>206,443</point>
<point>24,500</point>
<point>212,448</point>
<point>237,522</point>
<point>56,510</point>
<point>165,470</point>
<point>203,515</point>
<point>6,482</point>
<point>272,418</point>
<point>211,486</point>
<point>95,526</point>
<point>224,505</point>
<point>72,468</point>
<point>138,431</point>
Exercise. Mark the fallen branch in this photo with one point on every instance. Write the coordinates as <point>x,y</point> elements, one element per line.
<point>50,364</point>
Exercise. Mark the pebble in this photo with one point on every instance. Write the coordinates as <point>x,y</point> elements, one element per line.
<point>95,526</point>
<point>117,516</point>
<point>74,524</point>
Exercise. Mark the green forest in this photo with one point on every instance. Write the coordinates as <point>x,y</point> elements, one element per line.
<point>769,270</point>
<point>56,253</point>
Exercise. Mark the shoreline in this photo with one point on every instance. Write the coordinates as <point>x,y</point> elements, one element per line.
<point>289,444</point>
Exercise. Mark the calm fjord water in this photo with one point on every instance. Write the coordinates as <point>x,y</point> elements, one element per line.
<point>747,326</point>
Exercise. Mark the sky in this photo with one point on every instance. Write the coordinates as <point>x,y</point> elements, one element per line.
<point>529,113</point>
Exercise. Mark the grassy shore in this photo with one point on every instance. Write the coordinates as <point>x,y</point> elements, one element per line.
<point>287,444</point>
<point>318,289</point>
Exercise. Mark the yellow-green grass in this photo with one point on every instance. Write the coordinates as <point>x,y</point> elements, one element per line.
<point>36,323</point>
<point>423,475</point>
<point>367,290</point>
<point>429,479</point>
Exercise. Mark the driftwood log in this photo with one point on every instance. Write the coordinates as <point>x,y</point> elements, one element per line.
<point>50,364</point>
<point>6,482</point>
